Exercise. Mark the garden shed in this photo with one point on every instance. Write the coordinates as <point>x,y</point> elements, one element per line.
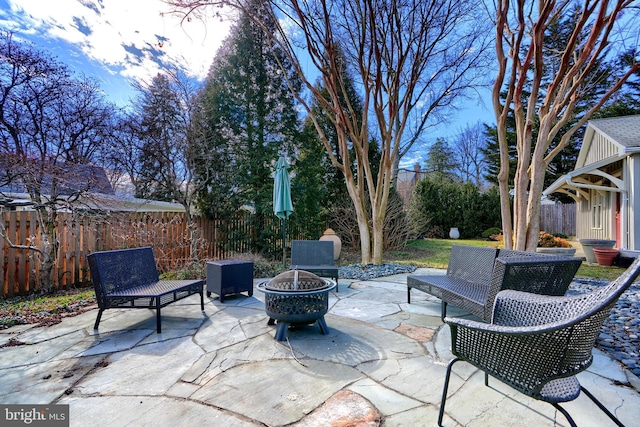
<point>605,182</point>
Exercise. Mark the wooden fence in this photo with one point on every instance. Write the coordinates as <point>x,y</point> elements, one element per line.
<point>78,236</point>
<point>558,218</point>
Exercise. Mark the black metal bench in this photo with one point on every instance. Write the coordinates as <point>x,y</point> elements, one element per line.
<point>315,256</point>
<point>128,278</point>
<point>475,275</point>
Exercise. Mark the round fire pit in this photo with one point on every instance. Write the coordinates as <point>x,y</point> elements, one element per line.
<point>296,297</point>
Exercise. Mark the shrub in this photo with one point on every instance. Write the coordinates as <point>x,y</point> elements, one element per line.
<point>438,205</point>
<point>193,270</point>
<point>262,267</point>
<point>548,240</point>
<point>489,232</point>
<point>396,232</point>
<point>497,238</point>
<point>198,269</point>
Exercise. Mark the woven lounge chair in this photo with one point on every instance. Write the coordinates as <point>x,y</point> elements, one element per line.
<point>315,256</point>
<point>537,343</point>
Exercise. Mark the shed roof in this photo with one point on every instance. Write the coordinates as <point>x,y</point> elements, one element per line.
<point>624,130</point>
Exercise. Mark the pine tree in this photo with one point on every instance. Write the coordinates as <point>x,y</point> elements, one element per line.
<point>161,131</point>
<point>251,116</point>
<point>440,162</point>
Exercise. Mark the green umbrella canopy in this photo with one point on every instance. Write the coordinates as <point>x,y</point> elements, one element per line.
<point>282,205</point>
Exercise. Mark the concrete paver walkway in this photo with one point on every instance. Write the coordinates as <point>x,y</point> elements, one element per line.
<point>382,363</point>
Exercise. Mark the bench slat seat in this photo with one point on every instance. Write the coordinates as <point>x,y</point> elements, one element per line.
<point>128,278</point>
<point>161,288</point>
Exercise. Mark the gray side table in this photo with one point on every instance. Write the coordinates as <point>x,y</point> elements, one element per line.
<point>226,277</point>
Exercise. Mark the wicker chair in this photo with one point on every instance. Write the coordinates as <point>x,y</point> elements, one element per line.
<point>315,256</point>
<point>536,343</point>
<point>475,275</point>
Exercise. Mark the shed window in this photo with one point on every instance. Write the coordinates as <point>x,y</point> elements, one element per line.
<point>596,211</point>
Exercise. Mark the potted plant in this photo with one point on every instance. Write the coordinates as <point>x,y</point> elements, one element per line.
<point>554,244</point>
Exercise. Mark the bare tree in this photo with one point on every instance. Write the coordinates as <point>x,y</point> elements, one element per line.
<point>520,85</point>
<point>158,139</point>
<point>468,145</point>
<point>51,126</point>
<point>412,59</point>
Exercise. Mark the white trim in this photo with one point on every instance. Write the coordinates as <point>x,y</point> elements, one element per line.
<point>591,169</point>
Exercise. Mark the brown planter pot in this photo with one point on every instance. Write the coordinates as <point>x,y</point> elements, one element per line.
<point>605,256</point>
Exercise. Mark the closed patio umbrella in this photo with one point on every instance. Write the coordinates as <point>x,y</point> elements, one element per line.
<point>282,205</point>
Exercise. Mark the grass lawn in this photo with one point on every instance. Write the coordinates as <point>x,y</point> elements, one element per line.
<point>437,251</point>
<point>45,309</point>
<point>436,255</point>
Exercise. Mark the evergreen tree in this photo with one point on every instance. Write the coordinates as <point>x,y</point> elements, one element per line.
<point>160,128</point>
<point>441,161</point>
<point>438,205</point>
<point>492,152</point>
<point>251,116</point>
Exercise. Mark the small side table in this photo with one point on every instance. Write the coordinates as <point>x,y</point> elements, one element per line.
<point>226,277</point>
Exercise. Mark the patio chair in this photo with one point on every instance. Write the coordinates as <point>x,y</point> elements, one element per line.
<point>315,256</point>
<point>537,343</point>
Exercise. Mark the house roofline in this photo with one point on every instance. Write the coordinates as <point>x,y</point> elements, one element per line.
<point>112,202</point>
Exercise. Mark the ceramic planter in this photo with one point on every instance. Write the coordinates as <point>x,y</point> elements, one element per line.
<point>454,233</point>
<point>605,256</point>
<point>331,236</point>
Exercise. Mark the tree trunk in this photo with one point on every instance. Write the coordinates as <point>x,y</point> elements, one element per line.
<point>194,233</point>
<point>363,221</point>
<point>503,175</point>
<point>395,168</point>
<point>378,233</point>
<point>49,248</point>
<point>538,171</point>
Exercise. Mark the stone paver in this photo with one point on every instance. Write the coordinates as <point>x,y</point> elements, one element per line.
<point>382,362</point>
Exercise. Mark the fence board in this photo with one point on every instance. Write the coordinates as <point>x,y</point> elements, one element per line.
<point>22,261</point>
<point>3,265</point>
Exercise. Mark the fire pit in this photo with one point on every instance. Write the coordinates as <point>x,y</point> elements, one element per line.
<point>296,297</point>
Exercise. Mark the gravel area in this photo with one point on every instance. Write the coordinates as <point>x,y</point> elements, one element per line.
<point>371,271</point>
<point>619,336</point>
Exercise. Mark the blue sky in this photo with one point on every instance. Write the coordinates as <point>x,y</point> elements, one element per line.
<point>119,41</point>
<point>115,41</point>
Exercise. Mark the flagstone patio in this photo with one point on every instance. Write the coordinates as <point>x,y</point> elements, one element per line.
<point>382,363</point>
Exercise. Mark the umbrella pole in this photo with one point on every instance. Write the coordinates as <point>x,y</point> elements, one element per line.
<point>284,243</point>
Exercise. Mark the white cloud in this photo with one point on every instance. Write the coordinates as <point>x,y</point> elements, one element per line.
<point>133,37</point>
